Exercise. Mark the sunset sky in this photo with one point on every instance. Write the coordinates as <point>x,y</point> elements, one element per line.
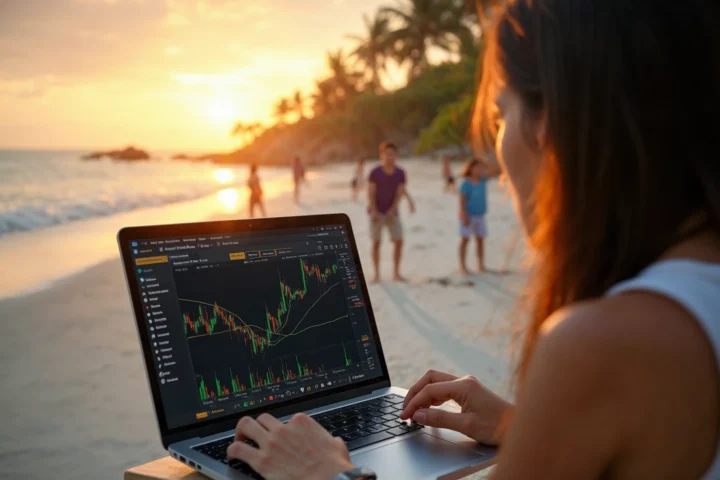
<point>161,74</point>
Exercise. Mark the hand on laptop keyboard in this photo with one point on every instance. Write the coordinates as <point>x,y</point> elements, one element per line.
<point>482,410</point>
<point>298,449</point>
<point>357,425</point>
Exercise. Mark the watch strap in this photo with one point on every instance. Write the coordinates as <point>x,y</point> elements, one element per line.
<point>356,474</point>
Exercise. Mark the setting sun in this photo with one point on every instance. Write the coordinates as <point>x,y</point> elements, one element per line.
<point>224,175</point>
<point>221,110</point>
<point>229,199</point>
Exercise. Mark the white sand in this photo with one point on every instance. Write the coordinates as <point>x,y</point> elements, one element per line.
<point>81,406</point>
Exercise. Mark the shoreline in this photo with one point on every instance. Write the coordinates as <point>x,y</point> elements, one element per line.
<point>79,245</point>
<point>78,337</point>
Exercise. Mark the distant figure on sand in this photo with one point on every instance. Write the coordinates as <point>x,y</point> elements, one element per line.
<point>256,200</point>
<point>298,173</point>
<point>386,187</point>
<point>447,175</point>
<point>607,130</point>
<point>357,180</point>
<point>473,207</point>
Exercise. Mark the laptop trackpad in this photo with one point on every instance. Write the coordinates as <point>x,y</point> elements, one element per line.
<point>420,456</point>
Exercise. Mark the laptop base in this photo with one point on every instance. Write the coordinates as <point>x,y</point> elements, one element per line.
<point>429,453</point>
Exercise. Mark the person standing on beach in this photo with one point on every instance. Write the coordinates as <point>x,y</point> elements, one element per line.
<point>447,175</point>
<point>473,207</point>
<point>256,200</point>
<point>298,173</point>
<point>356,183</point>
<point>607,131</point>
<point>386,187</point>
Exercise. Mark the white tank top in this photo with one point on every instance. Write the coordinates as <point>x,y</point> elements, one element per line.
<point>695,286</point>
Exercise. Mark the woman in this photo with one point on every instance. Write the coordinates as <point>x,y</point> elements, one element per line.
<point>607,116</point>
<point>298,173</point>
<point>256,199</point>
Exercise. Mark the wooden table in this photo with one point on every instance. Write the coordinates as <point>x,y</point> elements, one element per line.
<point>170,469</point>
<point>166,468</point>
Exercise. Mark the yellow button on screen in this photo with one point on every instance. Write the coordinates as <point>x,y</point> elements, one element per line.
<point>151,260</point>
<point>237,256</point>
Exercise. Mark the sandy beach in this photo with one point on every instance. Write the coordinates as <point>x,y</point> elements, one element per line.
<point>79,399</point>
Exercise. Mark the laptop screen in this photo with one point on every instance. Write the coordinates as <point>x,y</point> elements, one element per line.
<point>240,321</point>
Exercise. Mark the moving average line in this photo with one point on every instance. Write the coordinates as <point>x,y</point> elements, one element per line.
<point>283,335</point>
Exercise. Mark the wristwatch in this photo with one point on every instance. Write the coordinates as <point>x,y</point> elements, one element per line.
<point>356,474</point>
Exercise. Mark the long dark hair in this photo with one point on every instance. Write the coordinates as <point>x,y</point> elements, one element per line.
<point>630,92</point>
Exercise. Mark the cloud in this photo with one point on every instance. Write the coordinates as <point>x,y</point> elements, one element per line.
<point>27,88</point>
<point>108,2</point>
<point>232,79</point>
<point>173,51</point>
<point>175,19</point>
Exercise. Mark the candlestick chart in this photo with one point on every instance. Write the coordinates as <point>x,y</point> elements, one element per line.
<point>253,325</point>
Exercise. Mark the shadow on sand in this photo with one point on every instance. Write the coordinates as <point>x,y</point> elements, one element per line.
<point>466,356</point>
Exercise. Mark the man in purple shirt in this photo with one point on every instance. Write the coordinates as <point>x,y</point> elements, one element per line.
<point>386,187</point>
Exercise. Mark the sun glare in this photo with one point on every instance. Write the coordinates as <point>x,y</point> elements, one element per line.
<point>221,110</point>
<point>229,199</point>
<point>224,175</point>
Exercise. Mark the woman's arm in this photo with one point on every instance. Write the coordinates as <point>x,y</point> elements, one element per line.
<point>613,386</point>
<point>567,423</point>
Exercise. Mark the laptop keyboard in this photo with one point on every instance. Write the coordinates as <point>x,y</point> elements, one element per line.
<point>367,422</point>
<point>360,425</point>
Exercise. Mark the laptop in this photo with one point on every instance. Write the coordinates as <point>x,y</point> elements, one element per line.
<point>245,317</point>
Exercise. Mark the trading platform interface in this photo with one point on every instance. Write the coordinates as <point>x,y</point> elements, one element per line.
<point>239,321</point>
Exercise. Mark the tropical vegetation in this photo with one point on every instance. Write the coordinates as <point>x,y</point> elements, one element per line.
<point>352,109</point>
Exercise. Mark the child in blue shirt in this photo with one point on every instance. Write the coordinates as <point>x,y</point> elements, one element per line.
<point>473,207</point>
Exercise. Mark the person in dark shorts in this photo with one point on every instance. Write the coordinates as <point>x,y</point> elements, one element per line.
<point>448,175</point>
<point>357,180</point>
<point>386,187</point>
<point>256,199</point>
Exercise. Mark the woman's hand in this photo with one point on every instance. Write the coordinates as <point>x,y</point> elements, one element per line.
<point>298,449</point>
<point>482,410</point>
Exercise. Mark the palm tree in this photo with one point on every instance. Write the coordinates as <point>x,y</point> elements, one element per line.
<point>333,92</point>
<point>282,109</point>
<point>241,130</point>
<point>374,48</point>
<point>255,129</point>
<point>323,97</point>
<point>298,104</point>
<point>426,23</point>
<point>346,81</point>
<point>247,132</point>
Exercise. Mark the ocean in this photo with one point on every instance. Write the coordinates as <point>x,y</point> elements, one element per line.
<point>74,392</point>
<point>54,202</point>
<point>40,189</point>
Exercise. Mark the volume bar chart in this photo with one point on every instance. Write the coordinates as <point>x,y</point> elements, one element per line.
<point>282,370</point>
<point>253,325</point>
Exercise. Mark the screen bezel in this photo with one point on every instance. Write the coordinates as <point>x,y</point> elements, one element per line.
<point>211,426</point>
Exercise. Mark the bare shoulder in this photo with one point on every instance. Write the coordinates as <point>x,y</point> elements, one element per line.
<point>650,361</point>
<point>632,331</point>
